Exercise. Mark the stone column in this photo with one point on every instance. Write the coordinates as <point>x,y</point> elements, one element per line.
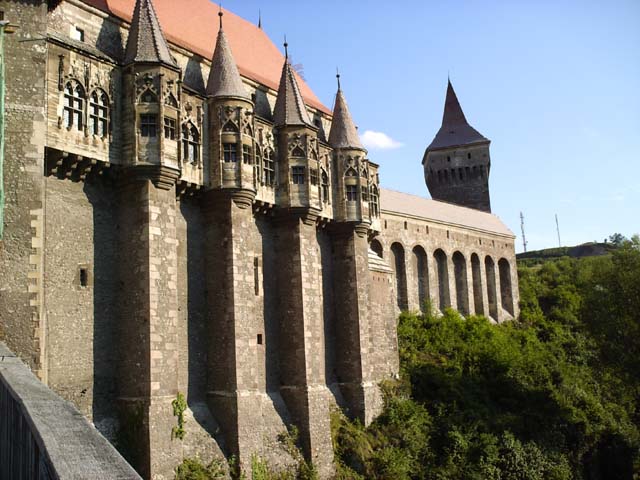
<point>451,274</point>
<point>148,334</point>
<point>432,266</point>
<point>471,300</point>
<point>302,349</point>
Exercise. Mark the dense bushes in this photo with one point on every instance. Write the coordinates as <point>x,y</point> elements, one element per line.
<point>553,395</point>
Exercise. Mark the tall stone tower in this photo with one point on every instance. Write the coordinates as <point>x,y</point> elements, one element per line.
<point>457,162</point>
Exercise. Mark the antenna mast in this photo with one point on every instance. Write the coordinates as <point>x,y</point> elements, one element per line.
<point>524,238</point>
<point>558,230</point>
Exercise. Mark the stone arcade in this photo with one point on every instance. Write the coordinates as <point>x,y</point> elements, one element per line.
<point>227,239</point>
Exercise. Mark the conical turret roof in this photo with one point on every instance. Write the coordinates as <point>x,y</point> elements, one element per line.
<point>224,78</point>
<point>343,133</point>
<point>290,108</point>
<point>455,130</point>
<point>146,43</point>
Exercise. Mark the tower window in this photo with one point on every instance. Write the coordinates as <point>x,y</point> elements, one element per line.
<point>405,225</point>
<point>269,169</point>
<point>469,156</point>
<point>190,142</point>
<point>448,234</point>
<point>148,125</point>
<point>73,105</point>
<point>169,128</point>
<point>297,175</point>
<point>325,187</point>
<point>77,34</point>
<point>313,176</point>
<point>460,174</point>
<point>246,155</point>
<point>259,339</point>
<point>229,152</point>
<point>352,193</point>
<point>98,113</point>
<point>84,277</point>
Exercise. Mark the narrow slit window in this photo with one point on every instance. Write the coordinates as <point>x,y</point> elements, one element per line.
<point>84,277</point>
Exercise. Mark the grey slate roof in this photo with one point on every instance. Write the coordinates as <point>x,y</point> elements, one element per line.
<point>289,108</point>
<point>224,79</point>
<point>343,133</point>
<point>455,130</point>
<point>146,43</point>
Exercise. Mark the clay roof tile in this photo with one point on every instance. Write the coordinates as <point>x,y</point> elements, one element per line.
<point>289,108</point>
<point>343,133</point>
<point>146,43</point>
<point>224,79</point>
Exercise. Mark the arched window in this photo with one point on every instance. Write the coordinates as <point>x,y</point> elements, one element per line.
<point>190,143</point>
<point>351,172</point>
<point>421,274</point>
<point>324,186</point>
<point>374,202</point>
<point>269,167</point>
<point>376,246</point>
<point>397,252</point>
<point>442,270</point>
<point>98,113</point>
<point>462,287</point>
<point>230,127</point>
<point>73,112</point>
<point>148,97</point>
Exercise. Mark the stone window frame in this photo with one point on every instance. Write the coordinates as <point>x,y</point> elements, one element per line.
<point>230,152</point>
<point>298,175</point>
<point>269,167</point>
<point>351,192</point>
<point>324,186</point>
<point>99,113</point>
<point>148,125</point>
<point>374,205</point>
<point>169,127</point>
<point>74,102</point>
<point>246,154</point>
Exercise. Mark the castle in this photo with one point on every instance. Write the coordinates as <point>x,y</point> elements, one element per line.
<point>184,215</point>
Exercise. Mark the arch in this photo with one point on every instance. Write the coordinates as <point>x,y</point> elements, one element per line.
<point>421,274</point>
<point>476,276</point>
<point>98,112</point>
<point>148,96</point>
<point>190,142</point>
<point>490,269</point>
<point>230,127</point>
<point>462,286</point>
<point>397,252</point>
<point>171,100</point>
<point>73,110</point>
<point>376,246</point>
<point>297,152</point>
<point>351,172</point>
<point>506,293</point>
<point>444,300</point>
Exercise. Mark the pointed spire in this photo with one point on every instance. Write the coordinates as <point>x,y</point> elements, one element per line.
<point>146,43</point>
<point>343,133</point>
<point>455,130</point>
<point>259,19</point>
<point>224,79</point>
<point>290,108</point>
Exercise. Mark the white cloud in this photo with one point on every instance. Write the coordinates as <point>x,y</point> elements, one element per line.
<point>379,141</point>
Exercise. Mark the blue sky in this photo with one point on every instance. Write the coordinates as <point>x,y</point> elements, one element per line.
<point>554,84</point>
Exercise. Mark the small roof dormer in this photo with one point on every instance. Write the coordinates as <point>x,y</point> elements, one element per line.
<point>146,42</point>
<point>224,78</point>
<point>290,108</point>
<point>343,133</point>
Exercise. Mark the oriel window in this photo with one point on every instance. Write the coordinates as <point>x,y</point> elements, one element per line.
<point>297,175</point>
<point>269,167</point>
<point>73,106</point>
<point>169,128</point>
<point>352,193</point>
<point>99,113</point>
<point>148,125</point>
<point>313,176</point>
<point>190,143</point>
<point>229,152</point>
<point>246,155</point>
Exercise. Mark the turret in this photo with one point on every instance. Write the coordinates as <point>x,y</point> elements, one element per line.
<point>357,179</point>
<point>457,162</point>
<point>231,123</point>
<point>151,85</point>
<point>297,140</point>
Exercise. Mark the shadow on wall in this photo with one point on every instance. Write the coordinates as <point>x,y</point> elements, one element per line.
<point>193,77</point>
<point>110,39</point>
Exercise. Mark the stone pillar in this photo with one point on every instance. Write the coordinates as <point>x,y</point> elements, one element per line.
<point>302,349</point>
<point>432,267</point>
<point>357,367</point>
<point>471,300</point>
<point>451,274</point>
<point>148,337</point>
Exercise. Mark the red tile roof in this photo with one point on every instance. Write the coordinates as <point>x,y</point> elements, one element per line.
<point>193,24</point>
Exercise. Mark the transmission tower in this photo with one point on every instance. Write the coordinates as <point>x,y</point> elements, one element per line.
<point>524,238</point>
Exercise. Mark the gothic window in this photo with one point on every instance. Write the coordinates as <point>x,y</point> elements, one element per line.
<point>352,193</point>
<point>148,97</point>
<point>313,176</point>
<point>351,172</point>
<point>297,152</point>
<point>190,142</point>
<point>374,205</point>
<point>229,152</point>
<point>148,125</point>
<point>365,194</point>
<point>246,155</point>
<point>325,186</point>
<point>269,167</point>
<point>98,113</point>
<point>297,175</point>
<point>258,166</point>
<point>169,128</point>
<point>73,105</point>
